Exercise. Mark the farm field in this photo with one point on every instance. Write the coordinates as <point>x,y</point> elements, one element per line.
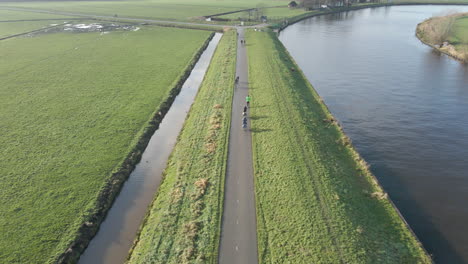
<point>15,22</point>
<point>9,15</point>
<point>316,199</point>
<point>73,105</point>
<point>183,223</point>
<point>169,10</point>
<point>12,28</point>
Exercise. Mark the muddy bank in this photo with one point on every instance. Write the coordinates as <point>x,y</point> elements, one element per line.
<point>113,185</point>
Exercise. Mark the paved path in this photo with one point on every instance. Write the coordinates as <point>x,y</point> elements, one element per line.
<point>239,227</point>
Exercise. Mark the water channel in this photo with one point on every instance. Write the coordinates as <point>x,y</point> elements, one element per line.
<point>119,229</point>
<point>404,106</point>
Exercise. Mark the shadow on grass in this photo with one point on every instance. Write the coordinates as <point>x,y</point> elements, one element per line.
<point>258,117</point>
<point>260,130</point>
<point>259,106</point>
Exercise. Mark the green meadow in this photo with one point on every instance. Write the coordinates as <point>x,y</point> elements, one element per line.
<point>16,22</point>
<point>12,28</point>
<point>459,35</point>
<point>317,202</point>
<point>179,10</point>
<point>8,15</point>
<point>72,106</point>
<point>183,223</point>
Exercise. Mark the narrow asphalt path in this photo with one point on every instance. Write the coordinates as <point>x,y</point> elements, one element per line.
<point>239,226</point>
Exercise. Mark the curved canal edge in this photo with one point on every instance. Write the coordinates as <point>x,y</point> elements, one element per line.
<point>112,187</point>
<point>299,18</point>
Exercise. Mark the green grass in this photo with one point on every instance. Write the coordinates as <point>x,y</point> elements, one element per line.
<point>459,33</point>
<point>15,27</point>
<point>273,14</point>
<point>8,15</point>
<point>12,28</point>
<point>181,10</point>
<point>183,223</point>
<point>72,107</point>
<point>316,200</point>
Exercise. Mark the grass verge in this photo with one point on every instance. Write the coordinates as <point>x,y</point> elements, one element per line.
<point>317,202</point>
<point>77,111</point>
<point>183,223</point>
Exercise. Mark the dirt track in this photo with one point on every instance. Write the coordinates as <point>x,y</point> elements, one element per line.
<point>239,229</point>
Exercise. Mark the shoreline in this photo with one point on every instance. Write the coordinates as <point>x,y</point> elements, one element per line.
<point>299,18</point>
<point>445,50</point>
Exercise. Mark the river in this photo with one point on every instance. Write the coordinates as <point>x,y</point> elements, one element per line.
<point>404,106</point>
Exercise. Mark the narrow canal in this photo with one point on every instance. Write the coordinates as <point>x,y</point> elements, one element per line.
<point>405,108</point>
<point>117,232</point>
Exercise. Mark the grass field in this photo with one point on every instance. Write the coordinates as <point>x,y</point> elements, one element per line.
<point>12,28</point>
<point>183,223</point>
<point>8,15</point>
<point>316,200</point>
<point>72,107</point>
<point>10,21</point>
<point>180,10</point>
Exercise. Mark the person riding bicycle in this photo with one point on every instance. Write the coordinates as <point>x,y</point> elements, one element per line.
<point>244,122</point>
<point>247,100</point>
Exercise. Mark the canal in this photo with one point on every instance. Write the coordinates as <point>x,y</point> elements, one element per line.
<point>404,106</point>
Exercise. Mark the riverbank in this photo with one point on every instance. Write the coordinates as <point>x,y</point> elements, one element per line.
<point>317,201</point>
<point>183,223</point>
<point>446,34</point>
<point>292,20</point>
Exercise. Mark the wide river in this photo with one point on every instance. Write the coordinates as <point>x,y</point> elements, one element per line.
<point>404,106</point>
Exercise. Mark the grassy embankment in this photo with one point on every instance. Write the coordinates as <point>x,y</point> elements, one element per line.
<point>452,29</point>
<point>75,110</point>
<point>183,223</point>
<point>317,201</point>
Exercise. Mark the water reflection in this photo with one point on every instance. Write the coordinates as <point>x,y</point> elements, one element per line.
<point>405,107</point>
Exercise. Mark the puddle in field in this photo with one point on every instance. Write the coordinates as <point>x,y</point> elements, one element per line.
<point>98,27</point>
<point>117,233</point>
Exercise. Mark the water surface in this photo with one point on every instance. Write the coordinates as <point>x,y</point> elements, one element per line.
<point>404,106</point>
